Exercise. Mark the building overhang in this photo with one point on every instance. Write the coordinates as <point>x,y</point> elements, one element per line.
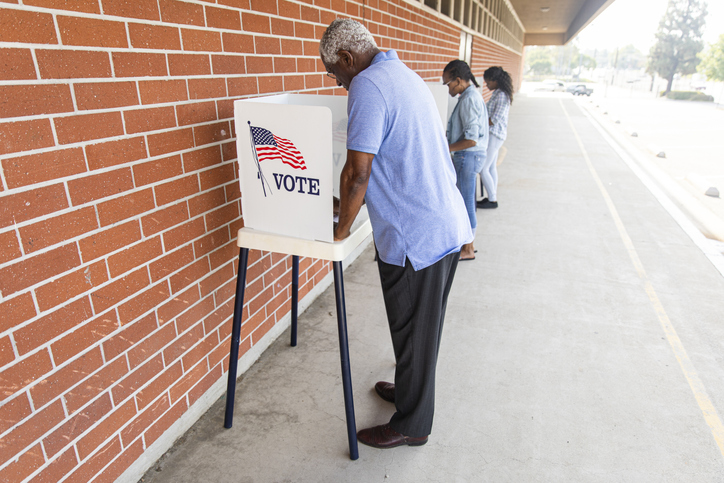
<point>556,22</point>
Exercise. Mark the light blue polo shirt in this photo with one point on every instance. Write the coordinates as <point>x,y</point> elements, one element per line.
<point>415,208</point>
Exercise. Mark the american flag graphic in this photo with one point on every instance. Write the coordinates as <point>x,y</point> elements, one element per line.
<point>269,146</point>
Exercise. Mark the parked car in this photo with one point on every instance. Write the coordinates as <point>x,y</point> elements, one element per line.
<point>579,90</point>
<point>552,86</point>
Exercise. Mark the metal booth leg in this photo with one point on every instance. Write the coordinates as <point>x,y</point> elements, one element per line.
<point>235,334</point>
<point>344,356</point>
<point>295,297</point>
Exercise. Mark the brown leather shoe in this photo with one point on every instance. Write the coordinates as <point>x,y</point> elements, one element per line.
<point>385,437</point>
<point>386,390</point>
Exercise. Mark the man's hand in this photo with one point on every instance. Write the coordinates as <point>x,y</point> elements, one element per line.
<point>352,188</point>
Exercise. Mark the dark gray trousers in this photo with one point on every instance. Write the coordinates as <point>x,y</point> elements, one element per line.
<point>415,303</point>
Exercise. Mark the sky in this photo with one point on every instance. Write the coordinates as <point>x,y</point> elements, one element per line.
<point>635,22</point>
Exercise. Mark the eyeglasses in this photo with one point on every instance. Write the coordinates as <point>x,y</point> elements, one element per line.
<point>446,83</point>
<point>331,76</point>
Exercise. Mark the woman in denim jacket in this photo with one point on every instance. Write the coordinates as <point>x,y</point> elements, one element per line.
<point>467,135</point>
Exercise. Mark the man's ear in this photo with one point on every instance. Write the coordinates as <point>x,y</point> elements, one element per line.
<point>346,58</point>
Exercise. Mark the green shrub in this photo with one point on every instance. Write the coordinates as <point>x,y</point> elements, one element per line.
<point>688,96</point>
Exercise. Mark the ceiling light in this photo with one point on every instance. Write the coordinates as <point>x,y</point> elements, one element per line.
<point>545,9</point>
<point>545,28</point>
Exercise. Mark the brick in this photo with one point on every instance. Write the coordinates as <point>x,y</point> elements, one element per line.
<point>173,11</point>
<point>222,18</point>
<point>176,190</point>
<point>196,313</point>
<point>206,201</point>
<point>229,151</point>
<point>293,83</point>
<point>87,127</point>
<point>144,420</point>
<point>16,64</point>
<point>241,43</point>
<point>200,389</point>
<point>222,314</point>
<point>189,275</point>
<point>211,283</point>
<point>6,351</point>
<point>14,411</point>
<point>219,257</point>
<point>112,153</point>
<point>306,65</point>
<point>270,84</point>
<point>189,64</point>
<point>168,142</point>
<point>183,234</point>
<point>143,120</point>
<point>222,216</point>
<point>161,91</point>
<point>240,4</point>
<point>75,283</point>
<point>206,88</point>
<point>199,352</point>
<point>162,219</point>
<point>267,45</point>
<point>95,463</point>
<point>30,100</point>
<point>171,262</point>
<point>32,429</point>
<point>36,168</point>
<point>73,64</point>
<point>233,191</point>
<point>211,242</point>
<point>84,337</point>
<point>259,65</point>
<point>303,31</point>
<point>242,86</point>
<point>282,27</point>
<point>285,64</point>
<point>27,27</point>
<point>58,468</point>
<point>311,14</point>
<point>201,40</point>
<point>212,133</point>
<point>292,47</point>
<point>189,379</point>
<point>136,379</point>
<point>154,37</point>
<point>128,336</point>
<point>57,229</point>
<point>30,271</point>
<point>125,207</point>
<point>109,240</point>
<point>109,425</point>
<point>160,427</point>
<point>106,95</point>
<point>143,9</point>
<point>63,379</point>
<point>179,303</point>
<point>121,464</point>
<point>228,64</point>
<point>118,290</point>
<point>15,378</point>
<point>143,302</point>
<point>99,186</point>
<point>197,113</point>
<point>201,158</point>
<point>87,6</point>
<point>77,425</point>
<point>23,466</point>
<point>255,23</point>
<point>96,383</point>
<point>151,345</point>
<point>160,385</point>
<point>133,64</point>
<point>92,32</point>
<point>9,246</point>
<point>134,256</point>
<point>183,343</point>
<point>289,9</point>
<point>17,310</point>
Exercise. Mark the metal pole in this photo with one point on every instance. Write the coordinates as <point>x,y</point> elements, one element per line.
<point>235,334</point>
<point>344,356</point>
<point>295,297</point>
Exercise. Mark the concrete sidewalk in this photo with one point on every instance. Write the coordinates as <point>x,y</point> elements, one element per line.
<point>558,359</point>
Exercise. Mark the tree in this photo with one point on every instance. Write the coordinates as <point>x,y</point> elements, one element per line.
<point>712,62</point>
<point>631,58</point>
<point>678,40</point>
<point>586,61</point>
<point>539,60</point>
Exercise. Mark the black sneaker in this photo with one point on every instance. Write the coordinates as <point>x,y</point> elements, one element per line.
<point>486,203</point>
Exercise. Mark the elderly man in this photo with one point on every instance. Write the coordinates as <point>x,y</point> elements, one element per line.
<point>398,162</point>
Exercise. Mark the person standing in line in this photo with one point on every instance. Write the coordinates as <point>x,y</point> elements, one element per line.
<point>498,81</point>
<point>398,162</point>
<point>467,136</point>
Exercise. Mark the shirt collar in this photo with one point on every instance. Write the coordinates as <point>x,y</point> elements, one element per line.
<point>383,56</point>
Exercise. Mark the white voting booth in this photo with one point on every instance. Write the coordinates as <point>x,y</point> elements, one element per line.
<point>291,150</point>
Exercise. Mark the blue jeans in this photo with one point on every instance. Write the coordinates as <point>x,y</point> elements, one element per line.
<point>467,165</point>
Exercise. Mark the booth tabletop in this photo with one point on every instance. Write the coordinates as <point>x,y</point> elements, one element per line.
<point>337,251</point>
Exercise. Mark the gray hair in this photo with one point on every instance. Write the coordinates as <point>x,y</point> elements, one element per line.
<point>345,34</point>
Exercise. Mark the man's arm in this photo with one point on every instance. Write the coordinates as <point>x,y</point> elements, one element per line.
<point>352,188</point>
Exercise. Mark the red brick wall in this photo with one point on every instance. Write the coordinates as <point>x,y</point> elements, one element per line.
<point>119,205</point>
<point>486,54</point>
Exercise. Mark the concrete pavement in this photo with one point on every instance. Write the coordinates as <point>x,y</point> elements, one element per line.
<point>585,344</point>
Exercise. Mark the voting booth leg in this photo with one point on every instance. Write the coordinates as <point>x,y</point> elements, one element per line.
<point>344,356</point>
<point>295,297</point>
<point>235,334</point>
